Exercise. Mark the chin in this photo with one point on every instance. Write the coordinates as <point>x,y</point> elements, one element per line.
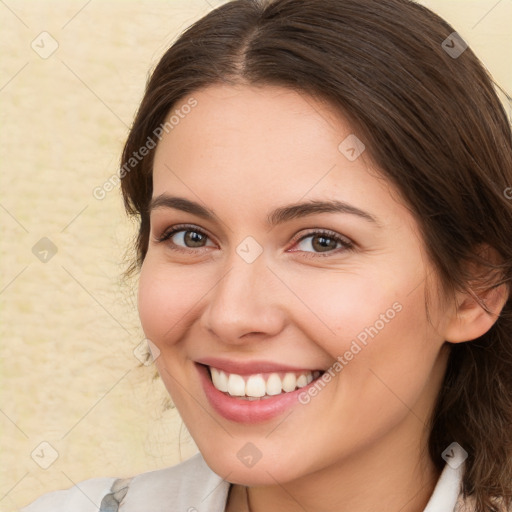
<point>232,468</point>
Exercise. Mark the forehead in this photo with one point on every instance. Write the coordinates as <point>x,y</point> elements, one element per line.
<point>262,145</point>
<point>253,125</point>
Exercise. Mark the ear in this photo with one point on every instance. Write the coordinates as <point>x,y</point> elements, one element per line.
<point>469,319</point>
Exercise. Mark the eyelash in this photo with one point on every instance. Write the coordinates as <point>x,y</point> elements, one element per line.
<point>347,245</point>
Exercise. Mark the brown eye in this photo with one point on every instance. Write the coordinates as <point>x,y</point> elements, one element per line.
<point>193,238</point>
<point>324,242</point>
<point>185,237</point>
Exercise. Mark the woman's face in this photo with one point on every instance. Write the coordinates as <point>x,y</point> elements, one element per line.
<point>271,292</point>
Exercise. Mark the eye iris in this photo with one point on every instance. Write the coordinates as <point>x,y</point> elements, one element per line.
<point>323,244</point>
<point>194,238</point>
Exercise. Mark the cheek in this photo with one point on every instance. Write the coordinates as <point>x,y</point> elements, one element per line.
<point>373,320</point>
<point>383,351</point>
<point>388,352</point>
<point>162,302</point>
<point>347,306</point>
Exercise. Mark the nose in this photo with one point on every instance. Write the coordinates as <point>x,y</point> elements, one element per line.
<point>247,301</point>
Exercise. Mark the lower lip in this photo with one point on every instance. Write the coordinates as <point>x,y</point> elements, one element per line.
<point>248,411</point>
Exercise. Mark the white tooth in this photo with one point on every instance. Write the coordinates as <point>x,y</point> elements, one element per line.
<point>274,384</point>
<point>255,386</point>
<point>236,385</point>
<point>222,384</point>
<point>289,382</point>
<point>220,381</point>
<point>215,376</point>
<point>310,377</point>
<point>302,380</point>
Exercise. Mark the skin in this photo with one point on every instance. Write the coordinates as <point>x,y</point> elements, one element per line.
<point>359,445</point>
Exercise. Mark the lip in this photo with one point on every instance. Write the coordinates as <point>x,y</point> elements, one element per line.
<point>251,367</point>
<point>248,411</point>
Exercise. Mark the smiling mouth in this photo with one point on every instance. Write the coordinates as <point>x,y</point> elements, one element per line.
<point>260,386</point>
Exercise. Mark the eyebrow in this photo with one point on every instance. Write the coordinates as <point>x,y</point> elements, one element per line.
<point>277,216</point>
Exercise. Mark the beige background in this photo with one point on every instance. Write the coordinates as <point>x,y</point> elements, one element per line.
<point>69,326</point>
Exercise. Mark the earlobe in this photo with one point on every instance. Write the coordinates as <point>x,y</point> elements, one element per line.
<point>470,320</point>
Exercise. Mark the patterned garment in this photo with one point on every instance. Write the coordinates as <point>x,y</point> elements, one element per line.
<point>111,501</point>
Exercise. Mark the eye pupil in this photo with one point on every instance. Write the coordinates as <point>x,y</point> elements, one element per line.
<point>324,243</point>
<point>194,238</point>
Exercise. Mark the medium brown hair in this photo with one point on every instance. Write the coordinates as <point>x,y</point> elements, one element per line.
<point>433,124</point>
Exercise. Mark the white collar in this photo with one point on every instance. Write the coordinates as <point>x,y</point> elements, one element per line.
<point>448,487</point>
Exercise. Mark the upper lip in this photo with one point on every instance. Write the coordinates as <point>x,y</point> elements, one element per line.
<point>250,367</point>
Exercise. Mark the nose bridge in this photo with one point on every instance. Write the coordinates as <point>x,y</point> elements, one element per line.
<point>242,301</point>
